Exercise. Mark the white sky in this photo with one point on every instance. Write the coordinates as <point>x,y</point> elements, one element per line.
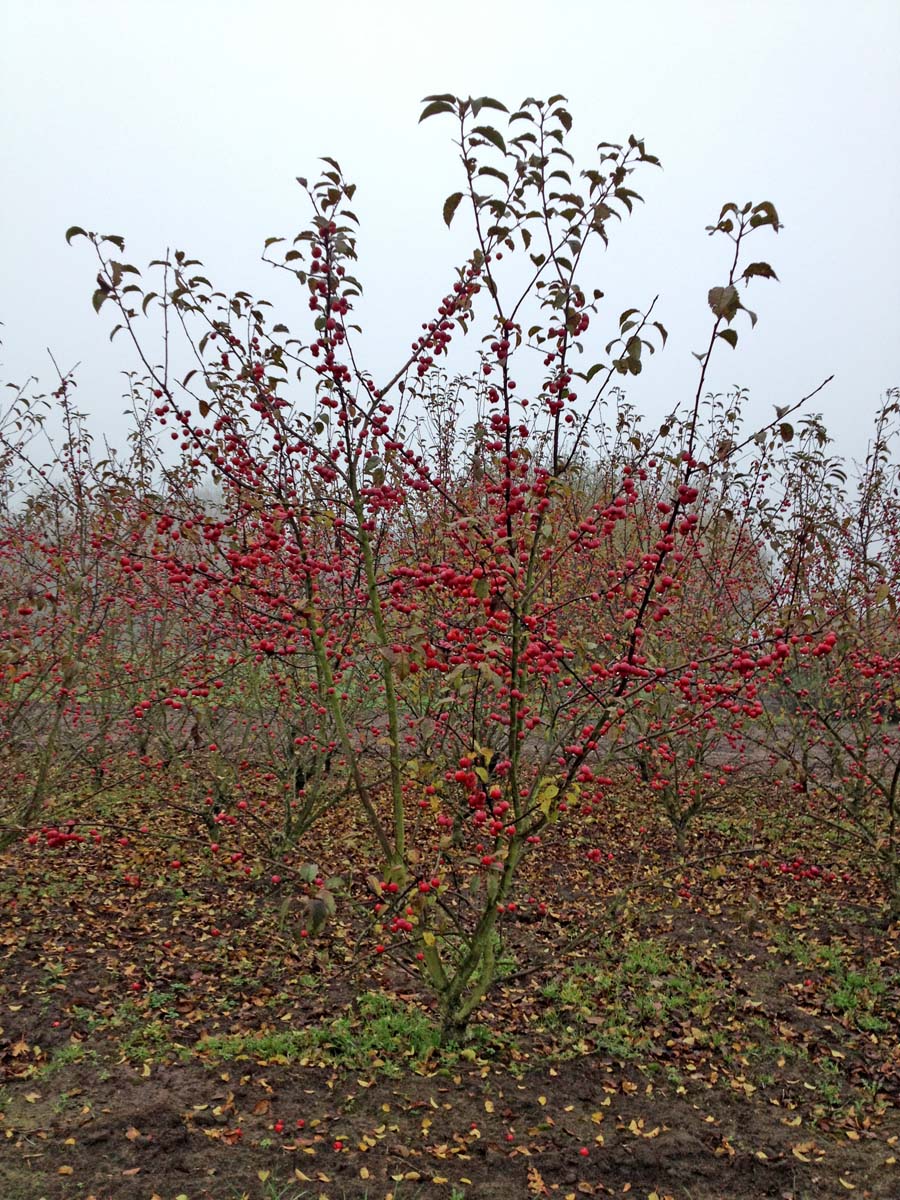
<point>184,123</point>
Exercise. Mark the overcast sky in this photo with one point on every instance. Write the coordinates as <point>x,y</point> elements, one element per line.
<point>184,124</point>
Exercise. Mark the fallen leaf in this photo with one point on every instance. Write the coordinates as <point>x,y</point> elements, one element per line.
<point>536,1185</point>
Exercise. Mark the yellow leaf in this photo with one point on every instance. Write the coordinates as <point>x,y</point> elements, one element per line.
<point>489,1106</point>
<point>298,1174</point>
<point>364,1172</point>
<point>262,1176</point>
<point>851,1187</point>
<point>65,1170</point>
<point>547,796</point>
<point>536,1185</point>
<point>542,1100</point>
<point>428,937</point>
<point>32,1097</point>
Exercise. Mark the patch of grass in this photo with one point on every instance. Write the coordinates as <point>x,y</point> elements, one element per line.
<point>791,948</point>
<point>88,1016</point>
<point>634,992</point>
<point>146,1042</point>
<point>857,994</point>
<point>64,1101</point>
<point>380,1033</point>
<point>64,1056</point>
<point>139,1037</point>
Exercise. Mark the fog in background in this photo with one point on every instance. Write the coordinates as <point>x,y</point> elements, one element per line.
<point>183,125</point>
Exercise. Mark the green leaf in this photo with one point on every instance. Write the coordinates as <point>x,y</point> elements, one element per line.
<point>724,301</point>
<point>729,336</point>
<point>765,214</point>
<point>786,430</point>
<point>307,872</point>
<point>97,299</point>
<point>437,106</point>
<point>491,135</point>
<point>74,231</point>
<point>759,268</point>
<point>495,174</point>
<point>487,102</point>
<point>450,206</point>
